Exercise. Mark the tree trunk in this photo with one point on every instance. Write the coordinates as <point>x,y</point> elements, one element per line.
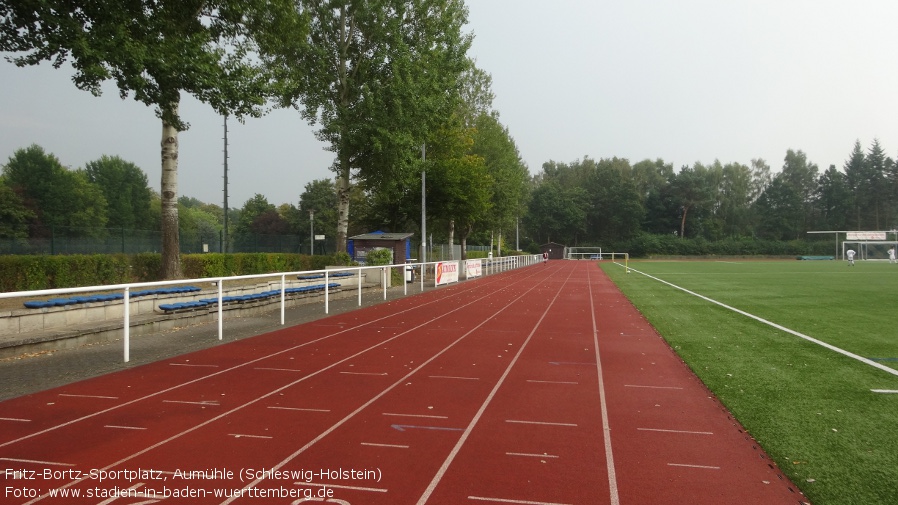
<point>683,222</point>
<point>343,189</point>
<point>171,241</point>
<point>451,239</point>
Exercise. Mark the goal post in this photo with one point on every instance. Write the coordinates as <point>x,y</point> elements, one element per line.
<point>583,253</point>
<point>874,250</point>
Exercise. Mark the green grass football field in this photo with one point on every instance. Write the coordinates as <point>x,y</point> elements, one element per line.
<point>812,408</point>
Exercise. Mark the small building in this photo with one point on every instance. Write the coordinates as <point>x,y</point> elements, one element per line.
<point>556,251</point>
<point>400,243</point>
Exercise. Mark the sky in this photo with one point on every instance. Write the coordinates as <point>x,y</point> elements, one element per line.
<point>682,80</point>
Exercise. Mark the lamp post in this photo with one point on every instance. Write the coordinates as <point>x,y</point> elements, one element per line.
<point>312,232</point>
<point>423,207</point>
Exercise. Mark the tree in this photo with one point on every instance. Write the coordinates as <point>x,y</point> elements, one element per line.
<point>320,198</point>
<point>689,190</point>
<point>14,216</point>
<point>834,200</point>
<point>377,77</point>
<point>126,190</point>
<point>157,50</point>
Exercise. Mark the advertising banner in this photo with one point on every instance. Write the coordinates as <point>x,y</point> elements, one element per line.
<point>473,268</point>
<point>866,235</point>
<point>447,271</point>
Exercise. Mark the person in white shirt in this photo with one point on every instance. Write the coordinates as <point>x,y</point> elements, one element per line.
<point>850,254</point>
<point>892,255</point>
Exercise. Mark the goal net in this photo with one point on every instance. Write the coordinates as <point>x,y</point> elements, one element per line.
<point>583,253</point>
<point>876,250</point>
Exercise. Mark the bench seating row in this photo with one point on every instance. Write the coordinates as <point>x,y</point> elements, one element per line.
<point>74,300</point>
<point>207,302</point>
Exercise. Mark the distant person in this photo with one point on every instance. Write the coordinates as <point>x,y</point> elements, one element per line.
<point>545,257</point>
<point>892,255</point>
<point>850,254</point>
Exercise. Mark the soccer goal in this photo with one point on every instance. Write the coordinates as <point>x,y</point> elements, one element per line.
<point>875,250</point>
<point>583,253</point>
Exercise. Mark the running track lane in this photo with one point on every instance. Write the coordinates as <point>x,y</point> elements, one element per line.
<point>508,394</point>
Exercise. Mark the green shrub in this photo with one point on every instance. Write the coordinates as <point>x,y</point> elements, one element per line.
<point>377,257</point>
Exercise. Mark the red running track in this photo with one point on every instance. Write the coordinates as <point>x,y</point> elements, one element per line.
<point>537,386</point>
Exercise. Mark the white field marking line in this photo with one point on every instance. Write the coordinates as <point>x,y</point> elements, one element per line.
<point>196,365</point>
<point>606,427</point>
<point>297,381</point>
<point>337,486</point>
<point>467,433</point>
<point>452,377</point>
<point>363,373</point>
<point>186,402</point>
<point>124,427</point>
<point>777,326</point>
<point>525,454</point>
<point>298,409</point>
<point>887,391</point>
<point>242,435</point>
<point>542,423</point>
<point>393,386</point>
<point>262,358</point>
<point>506,500</point>
<point>676,431</point>
<point>551,382</point>
<point>394,446</point>
<point>650,387</point>
<point>415,415</point>
<point>694,466</point>
<point>89,396</point>
<point>15,419</point>
<point>32,461</point>
<point>277,369</point>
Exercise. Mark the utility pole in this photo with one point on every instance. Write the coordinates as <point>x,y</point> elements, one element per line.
<point>224,245</point>
<point>423,206</point>
<point>312,233</point>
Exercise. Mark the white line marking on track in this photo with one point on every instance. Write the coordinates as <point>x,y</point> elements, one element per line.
<point>124,427</point>
<point>778,326</point>
<point>414,415</point>
<point>395,446</point>
<point>204,402</point>
<point>703,467</point>
<point>506,500</point>
<point>363,373</point>
<point>48,463</point>
<point>650,387</point>
<point>278,369</point>
<point>15,419</point>
<point>530,455</point>
<point>241,435</point>
<point>452,377</point>
<point>544,423</point>
<point>298,409</point>
<point>193,365</point>
<point>551,382</point>
<point>676,431</point>
<point>90,396</point>
<point>884,390</point>
<point>337,486</point>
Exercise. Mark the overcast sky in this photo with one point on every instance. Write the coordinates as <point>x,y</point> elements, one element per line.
<point>681,80</point>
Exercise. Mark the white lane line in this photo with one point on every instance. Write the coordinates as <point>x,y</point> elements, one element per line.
<point>337,486</point>
<point>395,446</point>
<point>467,433</point>
<point>298,409</point>
<point>453,377</point>
<point>90,396</point>
<point>650,387</point>
<point>277,369</point>
<point>552,382</point>
<point>887,391</point>
<point>242,435</point>
<point>530,455</point>
<point>543,423</point>
<point>204,402</point>
<point>124,427</point>
<point>15,419</point>
<point>703,467</point>
<point>415,415</point>
<point>47,463</point>
<point>676,431</point>
<point>778,326</point>
<point>507,500</point>
<point>606,426</point>
<point>193,365</point>
<point>363,373</point>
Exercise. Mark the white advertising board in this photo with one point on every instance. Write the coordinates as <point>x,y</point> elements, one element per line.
<point>447,271</point>
<point>473,268</point>
<point>866,235</point>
